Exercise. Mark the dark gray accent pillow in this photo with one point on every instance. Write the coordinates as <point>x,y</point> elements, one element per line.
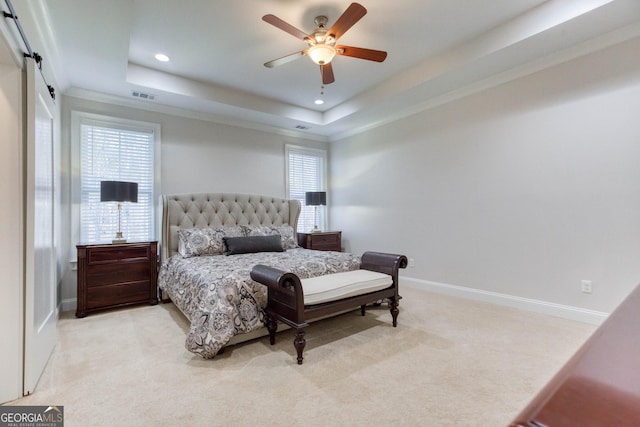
<point>252,244</point>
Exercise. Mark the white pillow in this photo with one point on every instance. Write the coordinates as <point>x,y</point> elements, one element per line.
<point>205,241</point>
<point>285,232</point>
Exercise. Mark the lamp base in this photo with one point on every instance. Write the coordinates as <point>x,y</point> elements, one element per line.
<point>315,228</point>
<point>119,238</point>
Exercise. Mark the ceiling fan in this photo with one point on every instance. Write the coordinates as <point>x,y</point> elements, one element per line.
<point>321,42</point>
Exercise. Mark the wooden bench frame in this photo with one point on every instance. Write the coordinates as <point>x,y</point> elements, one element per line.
<point>286,297</point>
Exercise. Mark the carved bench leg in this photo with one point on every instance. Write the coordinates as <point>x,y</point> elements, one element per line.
<point>393,308</point>
<point>299,343</point>
<point>272,326</point>
<point>363,309</point>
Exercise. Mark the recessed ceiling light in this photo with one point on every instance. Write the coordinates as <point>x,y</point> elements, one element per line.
<point>318,102</point>
<point>162,57</point>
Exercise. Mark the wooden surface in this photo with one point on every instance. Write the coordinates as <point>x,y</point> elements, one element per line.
<point>116,275</point>
<point>600,385</point>
<point>322,241</point>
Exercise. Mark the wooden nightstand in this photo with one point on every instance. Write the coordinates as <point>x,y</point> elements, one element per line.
<point>323,241</point>
<point>116,275</point>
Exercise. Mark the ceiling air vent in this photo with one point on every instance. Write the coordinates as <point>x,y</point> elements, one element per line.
<point>302,127</point>
<point>142,95</point>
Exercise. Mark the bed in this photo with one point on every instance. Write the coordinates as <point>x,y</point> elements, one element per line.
<point>214,290</point>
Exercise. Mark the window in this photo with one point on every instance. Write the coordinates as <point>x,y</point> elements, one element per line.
<point>115,150</point>
<point>306,171</point>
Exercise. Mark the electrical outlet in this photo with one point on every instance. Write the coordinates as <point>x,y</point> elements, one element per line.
<point>412,262</point>
<point>585,286</point>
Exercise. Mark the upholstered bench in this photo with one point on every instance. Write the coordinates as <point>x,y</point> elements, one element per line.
<point>296,301</point>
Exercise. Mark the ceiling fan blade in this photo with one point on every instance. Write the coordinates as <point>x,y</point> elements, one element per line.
<point>285,59</point>
<point>327,73</point>
<point>362,53</point>
<point>353,14</point>
<point>284,26</point>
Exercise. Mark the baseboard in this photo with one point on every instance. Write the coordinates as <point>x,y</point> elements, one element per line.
<point>552,309</point>
<point>544,307</point>
<point>69,304</point>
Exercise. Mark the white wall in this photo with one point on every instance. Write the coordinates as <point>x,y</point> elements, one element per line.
<point>196,156</point>
<point>524,189</point>
<point>199,156</point>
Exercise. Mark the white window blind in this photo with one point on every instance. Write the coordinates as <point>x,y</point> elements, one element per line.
<point>306,171</point>
<point>114,152</point>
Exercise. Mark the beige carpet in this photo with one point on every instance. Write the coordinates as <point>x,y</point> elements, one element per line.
<point>450,362</point>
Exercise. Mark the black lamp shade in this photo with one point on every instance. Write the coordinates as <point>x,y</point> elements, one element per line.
<point>118,191</point>
<point>316,198</point>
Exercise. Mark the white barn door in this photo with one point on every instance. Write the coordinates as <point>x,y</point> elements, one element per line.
<point>40,254</point>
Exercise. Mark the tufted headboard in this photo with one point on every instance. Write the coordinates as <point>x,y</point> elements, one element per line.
<point>203,210</point>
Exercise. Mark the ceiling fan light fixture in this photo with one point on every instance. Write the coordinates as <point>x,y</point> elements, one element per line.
<point>321,42</point>
<point>162,57</point>
<point>321,54</point>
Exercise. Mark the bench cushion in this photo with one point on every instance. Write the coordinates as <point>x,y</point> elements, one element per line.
<point>337,286</point>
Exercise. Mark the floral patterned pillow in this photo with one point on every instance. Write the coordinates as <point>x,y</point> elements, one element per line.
<point>205,241</point>
<point>285,232</point>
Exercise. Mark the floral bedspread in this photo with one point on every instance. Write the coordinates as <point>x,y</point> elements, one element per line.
<point>217,294</point>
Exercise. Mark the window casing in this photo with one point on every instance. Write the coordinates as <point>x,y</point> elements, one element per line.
<point>118,150</point>
<point>306,170</point>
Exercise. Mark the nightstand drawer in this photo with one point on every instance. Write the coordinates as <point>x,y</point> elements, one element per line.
<point>117,253</point>
<point>325,239</point>
<point>113,295</point>
<point>111,274</point>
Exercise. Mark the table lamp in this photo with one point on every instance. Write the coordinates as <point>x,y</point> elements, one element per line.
<point>315,199</point>
<point>119,191</point>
